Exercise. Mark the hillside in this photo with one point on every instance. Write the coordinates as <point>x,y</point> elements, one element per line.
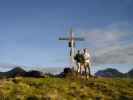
<point>52,88</point>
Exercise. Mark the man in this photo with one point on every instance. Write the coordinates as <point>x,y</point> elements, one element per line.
<point>77,58</point>
<point>87,62</point>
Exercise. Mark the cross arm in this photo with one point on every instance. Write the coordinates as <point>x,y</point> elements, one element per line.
<point>73,38</point>
<point>63,38</point>
<point>78,39</point>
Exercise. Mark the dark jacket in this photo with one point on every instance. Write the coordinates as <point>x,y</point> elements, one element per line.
<point>79,58</point>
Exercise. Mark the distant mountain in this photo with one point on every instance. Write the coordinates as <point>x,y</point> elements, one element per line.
<point>44,69</point>
<point>18,71</point>
<point>15,72</point>
<point>130,73</point>
<point>109,72</point>
<point>33,73</point>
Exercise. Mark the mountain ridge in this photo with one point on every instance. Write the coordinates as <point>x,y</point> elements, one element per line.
<point>108,72</point>
<point>112,72</point>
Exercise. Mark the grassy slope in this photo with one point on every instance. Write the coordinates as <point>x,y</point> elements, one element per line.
<point>66,89</point>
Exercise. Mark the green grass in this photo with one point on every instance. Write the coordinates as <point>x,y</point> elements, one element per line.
<point>52,88</point>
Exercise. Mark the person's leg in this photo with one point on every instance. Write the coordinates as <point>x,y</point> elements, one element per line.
<point>81,65</point>
<point>78,67</point>
<point>89,71</point>
<point>82,69</point>
<point>85,71</point>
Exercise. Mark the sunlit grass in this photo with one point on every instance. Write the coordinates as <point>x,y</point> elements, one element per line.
<point>66,89</point>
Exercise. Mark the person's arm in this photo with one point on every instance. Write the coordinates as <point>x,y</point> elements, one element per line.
<point>75,57</point>
<point>90,60</point>
<point>88,56</point>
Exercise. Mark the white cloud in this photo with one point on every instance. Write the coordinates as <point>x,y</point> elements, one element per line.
<point>109,35</point>
<point>115,55</point>
<point>113,44</point>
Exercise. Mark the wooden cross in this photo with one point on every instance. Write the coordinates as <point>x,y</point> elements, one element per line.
<point>71,44</point>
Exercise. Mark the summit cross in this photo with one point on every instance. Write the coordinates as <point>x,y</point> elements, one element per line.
<point>71,44</point>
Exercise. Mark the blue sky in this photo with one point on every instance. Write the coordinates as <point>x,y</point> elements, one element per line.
<point>29,29</point>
